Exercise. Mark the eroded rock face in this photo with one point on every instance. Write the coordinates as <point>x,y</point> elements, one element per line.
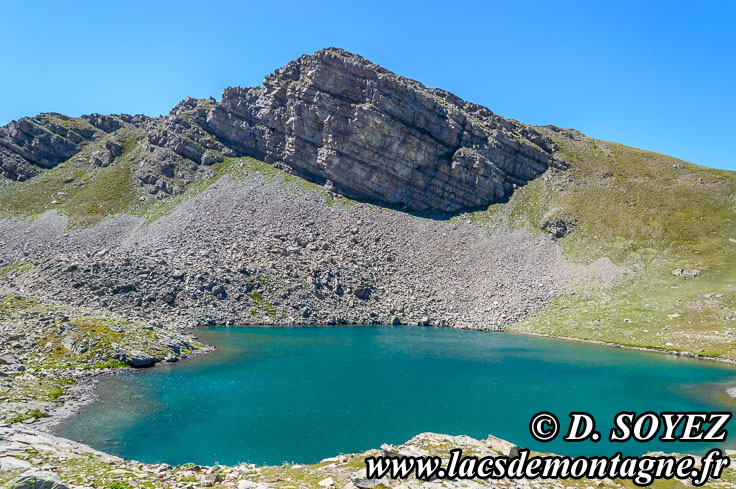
<point>333,118</point>
<point>30,145</point>
<point>336,117</point>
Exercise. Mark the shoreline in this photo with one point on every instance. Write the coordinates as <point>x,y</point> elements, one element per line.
<point>675,353</point>
<point>684,354</point>
<point>39,446</point>
<point>84,393</point>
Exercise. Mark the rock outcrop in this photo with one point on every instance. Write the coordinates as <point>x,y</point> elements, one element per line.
<point>336,117</point>
<point>36,480</point>
<point>333,118</point>
<point>30,145</point>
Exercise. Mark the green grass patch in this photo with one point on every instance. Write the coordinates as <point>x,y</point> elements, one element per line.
<point>262,304</point>
<point>649,213</point>
<point>71,123</point>
<point>110,363</point>
<point>12,304</point>
<point>32,414</point>
<point>56,392</point>
<point>86,195</point>
<point>19,266</point>
<point>118,485</point>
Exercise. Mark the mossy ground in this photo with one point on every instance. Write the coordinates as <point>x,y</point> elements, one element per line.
<point>19,266</point>
<point>95,338</point>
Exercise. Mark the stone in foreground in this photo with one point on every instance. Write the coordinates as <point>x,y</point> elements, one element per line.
<point>36,480</point>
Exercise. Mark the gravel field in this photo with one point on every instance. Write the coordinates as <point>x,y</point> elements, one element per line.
<point>247,251</point>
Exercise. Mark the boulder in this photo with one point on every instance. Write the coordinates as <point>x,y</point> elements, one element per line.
<point>361,482</point>
<point>557,224</point>
<point>502,446</point>
<point>210,480</point>
<point>8,359</point>
<point>246,484</point>
<point>328,482</point>
<point>219,292</point>
<point>363,293</point>
<point>685,272</point>
<point>36,480</point>
<point>402,451</point>
<point>138,359</point>
<point>10,463</point>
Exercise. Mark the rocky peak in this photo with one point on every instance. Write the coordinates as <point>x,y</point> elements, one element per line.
<point>334,116</point>
<point>331,117</point>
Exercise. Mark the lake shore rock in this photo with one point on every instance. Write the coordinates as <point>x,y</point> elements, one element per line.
<point>67,463</point>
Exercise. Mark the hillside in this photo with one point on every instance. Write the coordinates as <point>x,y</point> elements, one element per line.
<point>672,224</point>
<point>342,193</point>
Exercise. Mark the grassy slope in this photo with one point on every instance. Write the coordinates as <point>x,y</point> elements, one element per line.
<point>630,205</point>
<point>88,195</point>
<point>652,214</point>
<point>85,194</point>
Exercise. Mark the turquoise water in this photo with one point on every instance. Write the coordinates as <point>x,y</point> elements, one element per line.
<point>270,395</point>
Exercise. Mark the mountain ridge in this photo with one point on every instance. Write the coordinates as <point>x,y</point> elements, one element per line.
<point>156,218</point>
<point>333,118</point>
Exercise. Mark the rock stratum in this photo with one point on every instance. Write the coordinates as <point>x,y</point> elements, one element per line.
<point>338,193</point>
<point>289,204</point>
<point>333,118</point>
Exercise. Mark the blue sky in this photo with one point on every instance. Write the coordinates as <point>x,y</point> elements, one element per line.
<point>655,75</point>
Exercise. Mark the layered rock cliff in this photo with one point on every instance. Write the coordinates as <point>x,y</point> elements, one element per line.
<point>32,144</point>
<point>333,118</point>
